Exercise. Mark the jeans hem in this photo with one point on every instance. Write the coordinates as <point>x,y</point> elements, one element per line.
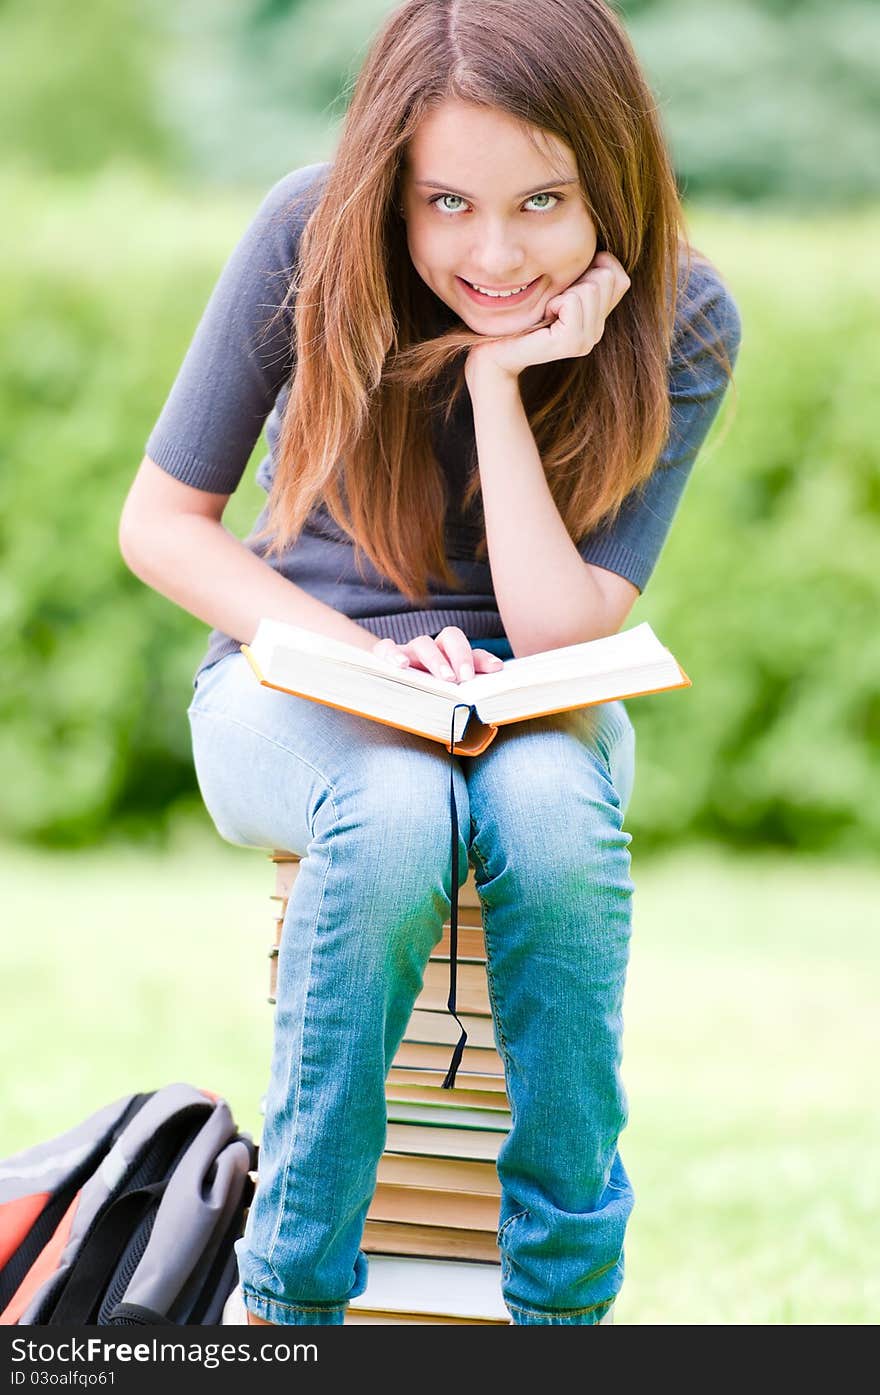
<point>293,1314</point>
<point>573,1316</point>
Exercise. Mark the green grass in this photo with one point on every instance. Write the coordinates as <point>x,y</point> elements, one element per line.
<point>752,1040</point>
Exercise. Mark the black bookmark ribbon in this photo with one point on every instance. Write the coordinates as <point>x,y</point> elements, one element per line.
<point>449,1082</point>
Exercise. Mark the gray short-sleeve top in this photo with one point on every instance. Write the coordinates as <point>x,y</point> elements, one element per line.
<point>235,379</point>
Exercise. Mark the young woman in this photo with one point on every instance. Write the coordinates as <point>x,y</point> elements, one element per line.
<point>488,358</point>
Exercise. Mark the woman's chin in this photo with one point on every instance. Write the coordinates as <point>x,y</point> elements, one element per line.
<point>512,325</point>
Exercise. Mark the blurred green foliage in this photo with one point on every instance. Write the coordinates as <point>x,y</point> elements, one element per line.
<point>77,86</point>
<point>101,287</point>
<point>761,99</point>
<point>772,100</point>
<point>767,592</point>
<point>769,585</point>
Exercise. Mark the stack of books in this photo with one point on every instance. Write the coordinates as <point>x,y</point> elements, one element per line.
<point>431,1228</point>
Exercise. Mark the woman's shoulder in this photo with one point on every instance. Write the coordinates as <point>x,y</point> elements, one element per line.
<point>706,308</point>
<point>292,198</point>
<point>269,248</point>
<point>302,185</point>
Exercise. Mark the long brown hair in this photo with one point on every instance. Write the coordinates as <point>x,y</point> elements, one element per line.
<point>355,434</point>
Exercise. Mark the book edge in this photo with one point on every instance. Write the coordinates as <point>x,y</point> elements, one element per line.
<point>473,745</point>
<point>482,733</point>
<point>597,702</point>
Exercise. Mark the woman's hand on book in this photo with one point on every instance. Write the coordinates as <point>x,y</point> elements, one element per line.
<point>449,656</point>
<point>573,324</point>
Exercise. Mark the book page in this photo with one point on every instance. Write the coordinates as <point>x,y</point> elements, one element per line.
<point>294,638</point>
<point>632,648</point>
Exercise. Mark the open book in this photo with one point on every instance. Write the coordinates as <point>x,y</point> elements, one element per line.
<point>310,665</point>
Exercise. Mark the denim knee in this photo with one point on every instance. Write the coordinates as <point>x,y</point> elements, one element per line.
<point>387,831</point>
<point>547,833</point>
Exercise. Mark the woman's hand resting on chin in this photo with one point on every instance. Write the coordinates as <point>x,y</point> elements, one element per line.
<point>580,314</point>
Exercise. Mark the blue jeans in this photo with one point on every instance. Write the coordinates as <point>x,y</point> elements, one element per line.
<point>367,807</point>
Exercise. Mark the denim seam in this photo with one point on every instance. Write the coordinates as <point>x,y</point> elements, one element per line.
<point>616,729</point>
<point>293,1307</point>
<point>490,978</point>
<point>496,1015</point>
<point>510,1219</point>
<point>288,1157</point>
<point>624,727</point>
<point>288,751</point>
<point>606,750</point>
<point>559,1312</point>
<point>605,760</point>
<point>605,756</point>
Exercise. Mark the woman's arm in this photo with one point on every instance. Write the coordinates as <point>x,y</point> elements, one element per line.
<point>541,593</point>
<point>547,595</point>
<point>171,535</point>
<point>171,532</point>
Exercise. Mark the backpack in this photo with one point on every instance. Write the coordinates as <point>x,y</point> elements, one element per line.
<point>128,1219</point>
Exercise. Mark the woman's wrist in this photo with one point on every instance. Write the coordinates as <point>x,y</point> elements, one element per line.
<point>484,376</point>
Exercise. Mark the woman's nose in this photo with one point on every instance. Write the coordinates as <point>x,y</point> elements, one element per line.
<point>499,258</point>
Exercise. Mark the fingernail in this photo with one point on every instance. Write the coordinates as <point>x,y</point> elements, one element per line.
<point>401,659</point>
<point>446,672</point>
<point>467,671</point>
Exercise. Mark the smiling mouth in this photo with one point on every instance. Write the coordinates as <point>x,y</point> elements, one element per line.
<point>485,296</point>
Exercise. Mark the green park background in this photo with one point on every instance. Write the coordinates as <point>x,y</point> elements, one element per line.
<point>136,141</point>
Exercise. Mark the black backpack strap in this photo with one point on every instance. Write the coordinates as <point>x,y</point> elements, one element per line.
<point>133,1315</point>
<point>102,1252</point>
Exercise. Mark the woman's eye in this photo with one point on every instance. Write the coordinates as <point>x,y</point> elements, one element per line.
<point>557,198</point>
<point>438,198</point>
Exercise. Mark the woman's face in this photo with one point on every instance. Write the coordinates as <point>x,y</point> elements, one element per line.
<point>483,205</point>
